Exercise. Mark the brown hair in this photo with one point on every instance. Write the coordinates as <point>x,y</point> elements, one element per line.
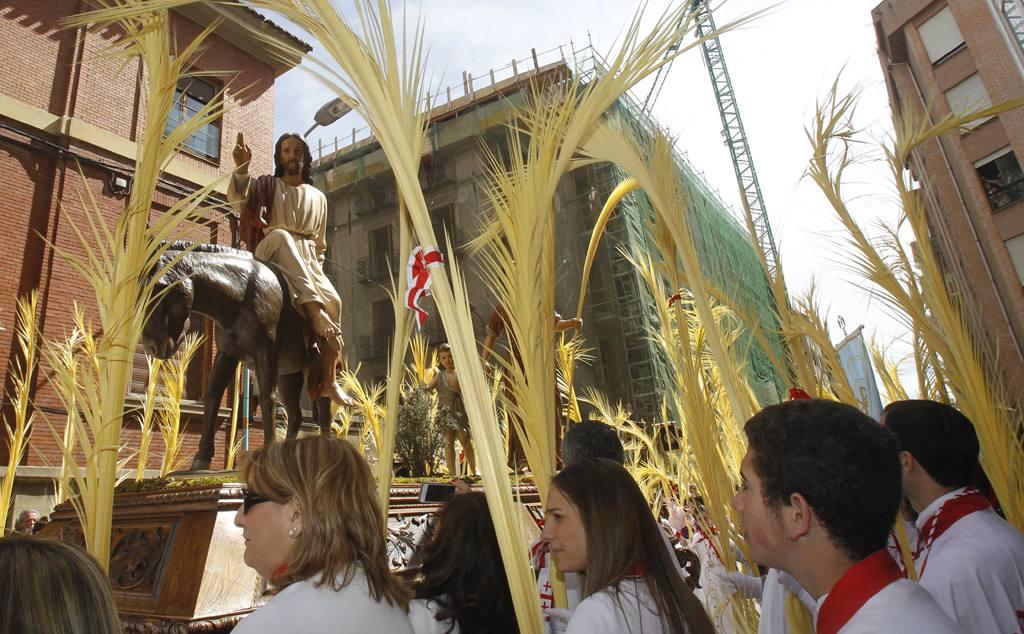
<point>54,587</point>
<point>601,489</point>
<point>342,522</point>
<point>307,157</point>
<point>463,571</point>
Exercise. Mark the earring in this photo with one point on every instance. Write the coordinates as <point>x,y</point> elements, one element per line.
<point>293,532</point>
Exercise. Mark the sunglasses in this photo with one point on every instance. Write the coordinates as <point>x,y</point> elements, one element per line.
<point>250,499</point>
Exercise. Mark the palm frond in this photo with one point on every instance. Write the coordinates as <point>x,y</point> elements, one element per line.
<point>172,390</point>
<point>950,358</point>
<point>21,376</point>
<point>154,367</point>
<point>115,261</point>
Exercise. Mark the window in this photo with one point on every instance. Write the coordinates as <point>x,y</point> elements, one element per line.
<point>375,194</point>
<point>1016,248</point>
<point>383,315</point>
<point>437,173</point>
<point>381,250</point>
<point>1001,178</point>
<point>442,220</point>
<point>375,345</point>
<point>190,96</point>
<point>968,96</point>
<point>941,35</point>
<point>498,148</point>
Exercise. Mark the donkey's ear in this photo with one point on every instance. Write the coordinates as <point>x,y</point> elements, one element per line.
<point>163,271</point>
<point>186,288</point>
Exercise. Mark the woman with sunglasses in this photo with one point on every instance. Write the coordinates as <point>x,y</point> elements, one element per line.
<point>313,528</point>
<point>597,523</point>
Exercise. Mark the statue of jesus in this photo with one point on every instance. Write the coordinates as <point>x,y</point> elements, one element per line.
<point>284,222</point>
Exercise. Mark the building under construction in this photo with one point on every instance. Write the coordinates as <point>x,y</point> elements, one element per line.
<point>619,312</point>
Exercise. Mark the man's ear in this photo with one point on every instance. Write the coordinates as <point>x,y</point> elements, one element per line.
<point>907,462</point>
<point>797,517</point>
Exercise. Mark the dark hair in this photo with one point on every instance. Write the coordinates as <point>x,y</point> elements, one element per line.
<point>55,587</point>
<point>601,490</point>
<point>463,571</point>
<point>841,461</point>
<point>591,439</point>
<point>939,437</point>
<point>307,160</point>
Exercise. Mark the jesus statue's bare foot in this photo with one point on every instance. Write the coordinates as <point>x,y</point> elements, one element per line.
<point>334,392</point>
<point>321,323</point>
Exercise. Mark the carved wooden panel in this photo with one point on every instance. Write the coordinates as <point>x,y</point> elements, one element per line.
<point>137,552</point>
<point>137,555</point>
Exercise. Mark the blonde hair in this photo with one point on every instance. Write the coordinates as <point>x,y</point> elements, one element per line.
<point>54,587</point>
<point>342,522</point>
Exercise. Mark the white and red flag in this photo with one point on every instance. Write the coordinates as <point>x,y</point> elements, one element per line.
<point>418,275</point>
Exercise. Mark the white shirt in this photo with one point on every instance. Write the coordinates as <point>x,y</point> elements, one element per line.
<point>573,589</point>
<point>975,570</point>
<point>902,607</point>
<point>302,607</point>
<point>423,616</point>
<point>773,606</point>
<point>712,593</point>
<point>630,610</point>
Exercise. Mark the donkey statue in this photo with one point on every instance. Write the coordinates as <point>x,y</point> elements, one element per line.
<point>256,323</point>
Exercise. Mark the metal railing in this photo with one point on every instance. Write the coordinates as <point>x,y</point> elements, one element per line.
<point>370,199</point>
<point>453,96</point>
<point>375,268</point>
<point>1000,195</point>
<point>1013,13</point>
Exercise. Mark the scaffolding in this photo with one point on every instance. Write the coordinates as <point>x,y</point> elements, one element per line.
<point>726,254</point>
<point>625,297</point>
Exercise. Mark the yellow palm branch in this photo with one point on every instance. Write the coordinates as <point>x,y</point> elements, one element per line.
<point>172,391</point>
<point>116,261</point>
<point>954,359</point>
<point>21,374</point>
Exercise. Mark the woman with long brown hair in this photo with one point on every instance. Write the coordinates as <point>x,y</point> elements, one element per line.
<point>597,523</point>
<point>462,585</point>
<point>314,529</point>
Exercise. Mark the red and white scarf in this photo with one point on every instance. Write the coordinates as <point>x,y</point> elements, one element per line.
<point>950,512</point>
<point>418,276</point>
<point>861,582</point>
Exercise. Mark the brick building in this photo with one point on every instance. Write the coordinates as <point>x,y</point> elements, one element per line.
<point>954,56</point>
<point>69,124</point>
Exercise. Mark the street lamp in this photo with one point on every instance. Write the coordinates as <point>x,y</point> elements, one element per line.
<point>329,113</point>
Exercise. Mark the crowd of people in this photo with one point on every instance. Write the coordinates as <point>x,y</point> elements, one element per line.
<point>822,486</point>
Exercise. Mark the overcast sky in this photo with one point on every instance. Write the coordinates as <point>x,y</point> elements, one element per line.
<point>779,65</point>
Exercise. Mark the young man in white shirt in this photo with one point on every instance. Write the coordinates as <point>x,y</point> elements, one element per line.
<point>969,558</point>
<point>820,491</point>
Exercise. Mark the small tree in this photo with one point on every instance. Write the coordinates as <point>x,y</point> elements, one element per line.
<point>418,439</point>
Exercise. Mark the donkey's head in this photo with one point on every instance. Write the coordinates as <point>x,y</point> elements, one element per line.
<point>171,303</point>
